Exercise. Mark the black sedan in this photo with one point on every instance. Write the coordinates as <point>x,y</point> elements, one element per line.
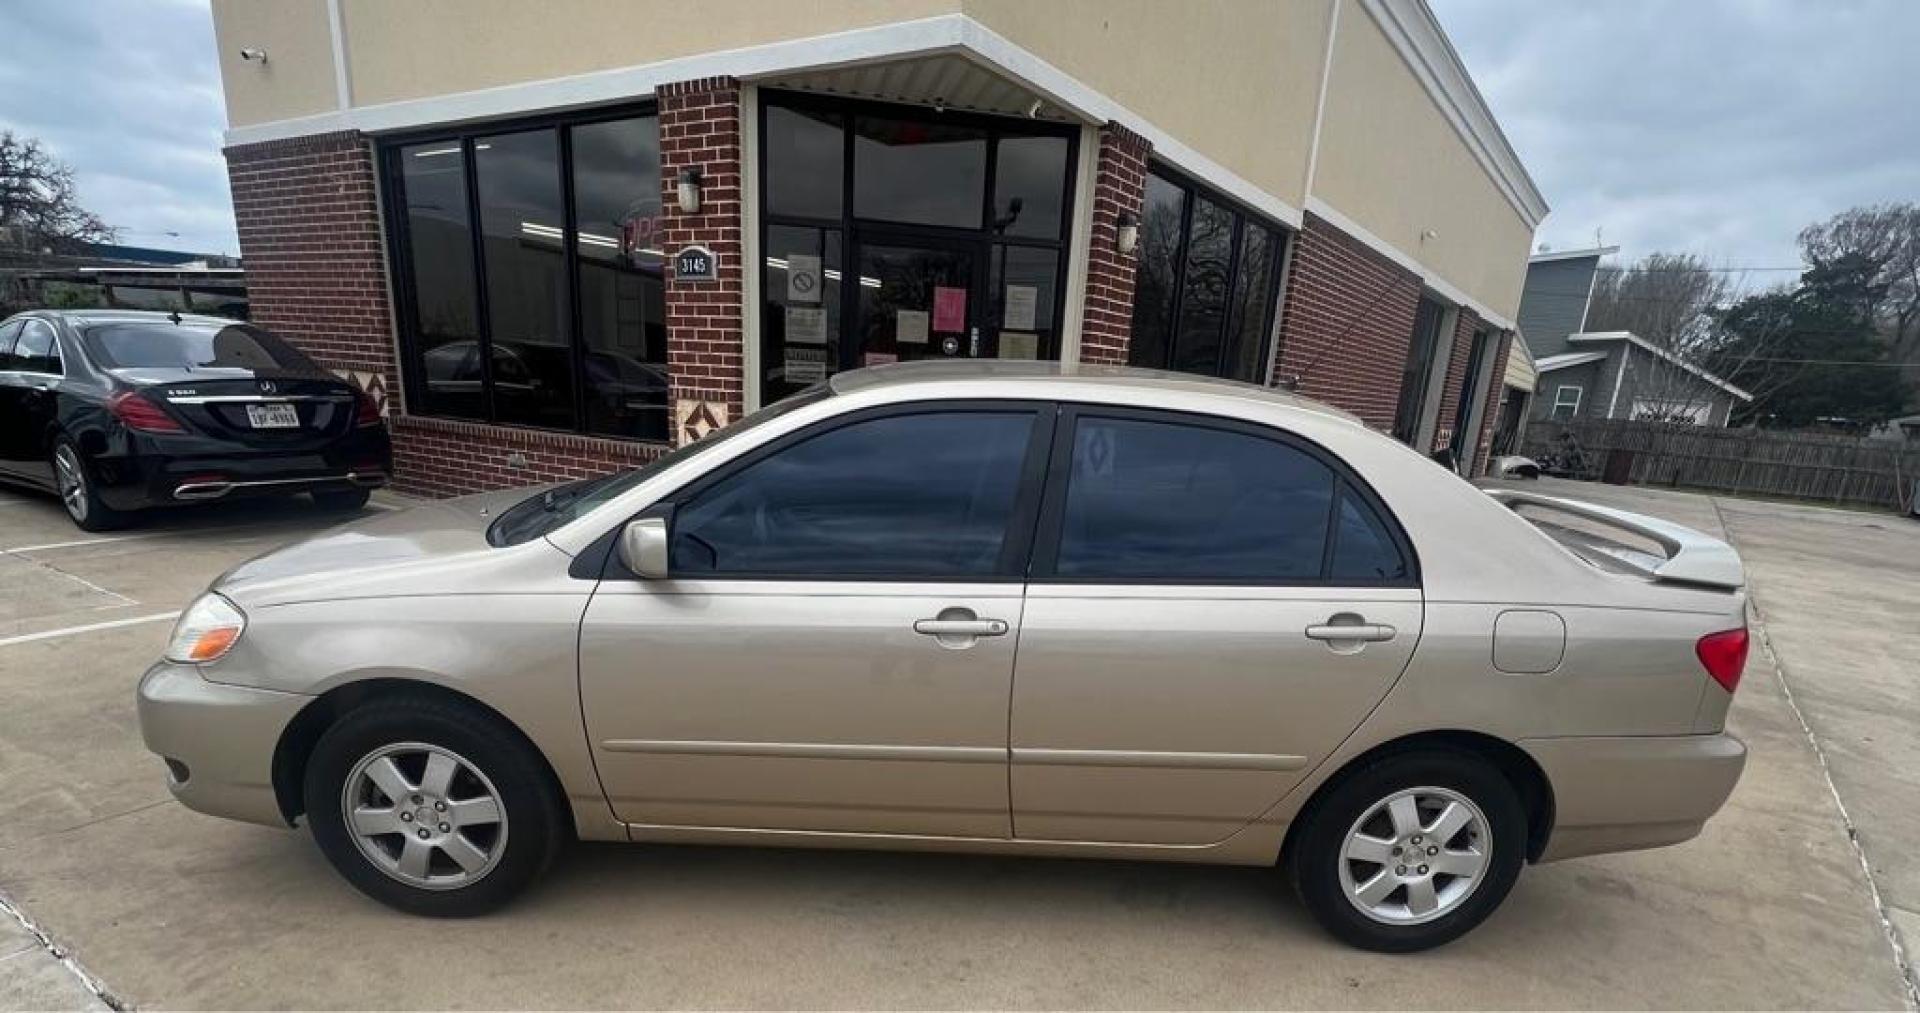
<point>117,411</point>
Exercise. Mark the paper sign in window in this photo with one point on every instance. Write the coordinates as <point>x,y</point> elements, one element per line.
<point>806,325</point>
<point>1019,345</point>
<point>806,365</point>
<point>949,308</point>
<point>1021,301</point>
<point>910,327</point>
<point>879,359</point>
<point>803,278</point>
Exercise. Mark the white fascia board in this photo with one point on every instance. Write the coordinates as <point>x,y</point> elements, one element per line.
<point>1413,30</point>
<point>1595,252</point>
<point>1640,342</point>
<point>1428,277</point>
<point>1557,362</point>
<point>946,33</point>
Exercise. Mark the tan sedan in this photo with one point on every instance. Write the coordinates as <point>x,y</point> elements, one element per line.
<point>992,608</point>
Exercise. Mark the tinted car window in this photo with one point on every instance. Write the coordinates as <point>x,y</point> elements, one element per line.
<point>923,495</point>
<point>191,346</point>
<point>1170,501</point>
<point>8,332</point>
<point>1363,552</point>
<point>37,351</point>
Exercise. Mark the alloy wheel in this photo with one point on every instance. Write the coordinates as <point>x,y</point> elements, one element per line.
<point>71,481</point>
<point>1415,856</point>
<point>424,815</point>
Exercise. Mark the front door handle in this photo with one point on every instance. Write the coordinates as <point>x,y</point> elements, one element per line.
<point>961,627</point>
<point>1360,632</point>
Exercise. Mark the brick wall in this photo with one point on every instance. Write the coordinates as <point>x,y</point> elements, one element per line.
<point>700,129</point>
<point>1345,322</point>
<point>448,457</point>
<point>1119,187</point>
<point>1466,322</point>
<point>309,224</point>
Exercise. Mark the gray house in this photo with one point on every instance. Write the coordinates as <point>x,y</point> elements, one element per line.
<point>1584,374</point>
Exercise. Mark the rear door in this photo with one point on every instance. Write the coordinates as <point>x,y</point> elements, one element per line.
<point>31,383</point>
<point>12,423</point>
<point>1212,608</point>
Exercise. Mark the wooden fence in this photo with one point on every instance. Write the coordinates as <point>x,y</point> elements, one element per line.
<point>1818,467</point>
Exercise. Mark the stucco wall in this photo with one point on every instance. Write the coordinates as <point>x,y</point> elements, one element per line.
<point>297,79</point>
<point>1390,161</point>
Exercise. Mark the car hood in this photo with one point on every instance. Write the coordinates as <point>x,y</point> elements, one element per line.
<point>367,557</point>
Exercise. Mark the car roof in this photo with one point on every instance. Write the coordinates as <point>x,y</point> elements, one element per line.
<point>1094,376</point>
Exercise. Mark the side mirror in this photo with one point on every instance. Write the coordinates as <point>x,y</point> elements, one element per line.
<point>643,547</point>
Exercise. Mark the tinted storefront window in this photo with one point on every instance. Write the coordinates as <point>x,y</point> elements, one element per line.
<point>1206,283</point>
<point>502,320</point>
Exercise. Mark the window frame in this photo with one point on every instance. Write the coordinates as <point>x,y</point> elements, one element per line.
<point>400,257</point>
<point>1579,393</point>
<point>53,346</point>
<point>1015,551</point>
<point>1192,189</point>
<point>1043,566</point>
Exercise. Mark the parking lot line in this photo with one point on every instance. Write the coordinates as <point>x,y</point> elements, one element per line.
<point>89,628</point>
<point>82,541</point>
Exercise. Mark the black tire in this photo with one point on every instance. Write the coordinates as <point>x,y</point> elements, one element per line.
<point>532,820</point>
<point>341,500</point>
<point>1316,858</point>
<point>79,496</point>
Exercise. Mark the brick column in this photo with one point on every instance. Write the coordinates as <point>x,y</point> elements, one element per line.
<point>1119,186</point>
<point>700,129</point>
<point>1345,323</point>
<point>309,224</point>
<point>1457,361</point>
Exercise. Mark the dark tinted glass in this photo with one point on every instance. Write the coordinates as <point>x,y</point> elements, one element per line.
<point>1029,186</point>
<point>522,221</point>
<point>190,346</point>
<point>913,496</point>
<point>446,323</point>
<point>1252,300</point>
<point>806,163</point>
<point>8,334</point>
<point>1167,501</point>
<point>919,173</point>
<point>800,320</point>
<point>1362,549</point>
<point>1414,376</point>
<point>1158,268</point>
<point>1025,280</point>
<point>623,305</point>
<point>37,351</point>
<point>1203,299</point>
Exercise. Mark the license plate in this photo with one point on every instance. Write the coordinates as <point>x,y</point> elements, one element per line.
<point>272,416</point>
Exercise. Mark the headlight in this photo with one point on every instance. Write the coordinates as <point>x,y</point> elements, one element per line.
<point>206,630</point>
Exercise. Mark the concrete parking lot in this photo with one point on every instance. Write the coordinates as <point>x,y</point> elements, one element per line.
<point>1773,907</point>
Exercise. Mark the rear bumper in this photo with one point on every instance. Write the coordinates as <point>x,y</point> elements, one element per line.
<point>218,740</point>
<point>1629,792</point>
<point>162,471</point>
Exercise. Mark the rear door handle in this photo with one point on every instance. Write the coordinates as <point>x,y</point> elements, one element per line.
<point>961,627</point>
<point>1368,632</point>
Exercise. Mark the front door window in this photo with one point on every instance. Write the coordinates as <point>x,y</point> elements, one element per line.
<point>915,303</point>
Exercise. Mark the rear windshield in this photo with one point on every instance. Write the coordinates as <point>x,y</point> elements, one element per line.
<point>163,345</point>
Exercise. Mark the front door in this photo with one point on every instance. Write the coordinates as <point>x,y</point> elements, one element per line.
<point>1214,607</point>
<point>834,651</point>
<point>918,300</point>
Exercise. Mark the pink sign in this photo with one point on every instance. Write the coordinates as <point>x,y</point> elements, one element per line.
<point>949,308</point>
<point>879,359</point>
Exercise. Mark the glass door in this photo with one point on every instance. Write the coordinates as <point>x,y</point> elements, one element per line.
<point>918,299</point>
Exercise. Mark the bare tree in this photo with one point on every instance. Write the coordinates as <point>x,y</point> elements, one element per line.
<point>38,207</point>
<point>1672,301</point>
<point>1886,236</point>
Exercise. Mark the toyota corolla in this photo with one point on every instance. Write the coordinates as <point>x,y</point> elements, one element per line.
<point>987,608</point>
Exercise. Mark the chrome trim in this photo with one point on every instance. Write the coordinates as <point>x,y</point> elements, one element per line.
<point>214,490</point>
<point>254,398</point>
<point>808,750</point>
<point>1149,758</point>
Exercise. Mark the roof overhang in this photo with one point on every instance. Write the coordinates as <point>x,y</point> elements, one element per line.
<point>1567,360</point>
<point>1592,337</point>
<point>1596,252</point>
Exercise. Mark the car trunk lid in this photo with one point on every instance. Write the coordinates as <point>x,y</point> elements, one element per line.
<point>267,410</point>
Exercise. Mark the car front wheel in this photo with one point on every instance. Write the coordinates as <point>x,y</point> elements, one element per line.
<point>432,807</point>
<point>1411,851</point>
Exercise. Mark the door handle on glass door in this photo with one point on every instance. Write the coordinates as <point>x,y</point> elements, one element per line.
<point>1369,632</point>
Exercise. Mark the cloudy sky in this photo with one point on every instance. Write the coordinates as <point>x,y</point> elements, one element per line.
<point>1719,127</point>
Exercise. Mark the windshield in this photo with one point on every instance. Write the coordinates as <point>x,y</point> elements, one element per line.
<point>554,508</point>
<point>189,345</point>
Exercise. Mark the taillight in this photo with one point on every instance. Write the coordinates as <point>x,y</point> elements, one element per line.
<point>365,412</point>
<point>1724,655</point>
<point>137,413</point>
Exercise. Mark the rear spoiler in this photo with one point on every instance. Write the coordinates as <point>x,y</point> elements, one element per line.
<point>1691,557</point>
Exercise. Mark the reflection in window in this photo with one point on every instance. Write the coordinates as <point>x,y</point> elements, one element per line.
<point>518,186</point>
<point>1025,283</point>
<point>917,496</point>
<point>1248,325</point>
<point>1205,285</point>
<point>918,173</point>
<point>623,303</point>
<point>1162,225</point>
<point>1416,375</point>
<point>445,322</point>
<point>1028,186</point>
<point>1203,288</point>
<point>800,319</point>
<point>1363,552</point>
<point>806,162</point>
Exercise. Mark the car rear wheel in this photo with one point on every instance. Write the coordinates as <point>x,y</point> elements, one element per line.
<point>431,807</point>
<point>77,491</point>
<point>341,500</point>
<point>1411,851</point>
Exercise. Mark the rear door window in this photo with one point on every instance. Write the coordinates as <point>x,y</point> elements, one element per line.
<point>9,333</point>
<point>37,350</point>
